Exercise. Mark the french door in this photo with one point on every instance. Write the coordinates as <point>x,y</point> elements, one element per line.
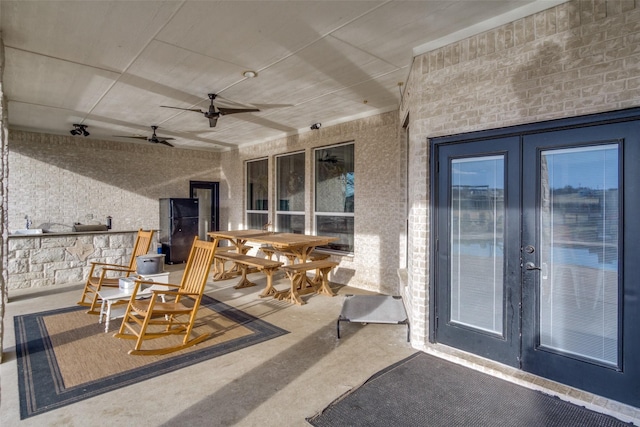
<point>536,261</point>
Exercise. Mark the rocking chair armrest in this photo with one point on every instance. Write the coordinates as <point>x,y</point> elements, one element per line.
<point>151,282</point>
<point>106,264</point>
<point>121,269</point>
<point>149,290</point>
<point>188,293</point>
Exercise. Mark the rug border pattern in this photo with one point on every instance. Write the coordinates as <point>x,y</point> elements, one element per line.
<point>47,391</point>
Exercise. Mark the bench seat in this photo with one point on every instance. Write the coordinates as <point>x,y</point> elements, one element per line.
<point>269,251</point>
<point>244,262</point>
<point>301,284</point>
<point>219,272</point>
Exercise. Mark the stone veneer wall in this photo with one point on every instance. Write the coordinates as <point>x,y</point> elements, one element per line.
<point>577,58</point>
<point>59,180</point>
<point>51,260</point>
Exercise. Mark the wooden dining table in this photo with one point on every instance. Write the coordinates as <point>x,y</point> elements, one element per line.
<point>300,245</point>
<point>237,237</point>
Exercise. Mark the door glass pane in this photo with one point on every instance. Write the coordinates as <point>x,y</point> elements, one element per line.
<point>579,252</point>
<point>477,242</point>
<point>204,196</point>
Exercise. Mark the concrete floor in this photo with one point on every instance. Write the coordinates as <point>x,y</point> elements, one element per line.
<point>279,382</point>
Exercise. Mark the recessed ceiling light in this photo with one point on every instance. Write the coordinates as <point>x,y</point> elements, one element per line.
<point>250,74</point>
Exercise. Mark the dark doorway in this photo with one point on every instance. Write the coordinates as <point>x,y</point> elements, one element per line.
<point>208,194</point>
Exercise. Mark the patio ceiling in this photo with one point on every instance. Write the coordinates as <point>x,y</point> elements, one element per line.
<point>110,65</point>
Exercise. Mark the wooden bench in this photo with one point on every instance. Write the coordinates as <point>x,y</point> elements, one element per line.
<point>244,262</point>
<point>300,283</point>
<point>269,251</point>
<point>219,272</point>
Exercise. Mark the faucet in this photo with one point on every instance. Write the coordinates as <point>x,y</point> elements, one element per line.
<point>28,221</point>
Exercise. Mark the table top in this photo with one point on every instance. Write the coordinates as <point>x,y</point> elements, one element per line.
<point>290,240</point>
<point>236,234</point>
<point>114,294</point>
<point>278,240</point>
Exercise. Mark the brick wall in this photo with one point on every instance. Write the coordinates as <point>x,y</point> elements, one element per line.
<point>577,58</point>
<point>379,204</point>
<point>59,180</point>
<point>3,197</point>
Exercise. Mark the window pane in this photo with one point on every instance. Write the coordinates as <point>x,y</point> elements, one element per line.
<point>335,179</point>
<point>290,223</point>
<point>337,226</point>
<point>291,182</point>
<point>257,220</point>
<point>258,185</point>
<point>477,243</point>
<point>579,252</point>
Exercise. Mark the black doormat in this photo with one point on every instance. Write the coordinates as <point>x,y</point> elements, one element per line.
<point>423,390</point>
<point>64,355</point>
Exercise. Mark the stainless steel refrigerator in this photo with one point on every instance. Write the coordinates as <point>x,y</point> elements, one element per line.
<point>178,227</point>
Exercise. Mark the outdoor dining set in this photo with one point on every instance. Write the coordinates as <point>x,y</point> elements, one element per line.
<point>299,249</point>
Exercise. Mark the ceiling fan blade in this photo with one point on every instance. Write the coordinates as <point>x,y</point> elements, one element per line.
<point>225,111</point>
<point>213,121</point>
<point>196,110</point>
<point>162,141</point>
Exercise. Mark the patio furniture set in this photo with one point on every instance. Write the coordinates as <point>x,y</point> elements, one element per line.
<point>155,307</point>
<point>144,295</point>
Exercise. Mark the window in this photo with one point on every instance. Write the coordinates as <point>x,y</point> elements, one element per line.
<point>257,193</point>
<point>334,195</point>
<point>290,193</point>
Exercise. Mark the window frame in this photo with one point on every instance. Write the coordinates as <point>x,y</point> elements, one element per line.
<point>281,213</point>
<point>325,214</point>
<point>265,210</point>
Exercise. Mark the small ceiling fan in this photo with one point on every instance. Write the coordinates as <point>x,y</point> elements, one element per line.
<point>215,112</point>
<point>325,157</point>
<point>154,138</point>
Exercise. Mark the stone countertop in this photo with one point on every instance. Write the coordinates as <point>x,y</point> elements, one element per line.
<point>70,233</point>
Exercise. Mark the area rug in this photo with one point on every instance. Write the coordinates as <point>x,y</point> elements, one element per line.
<point>423,390</point>
<point>64,355</point>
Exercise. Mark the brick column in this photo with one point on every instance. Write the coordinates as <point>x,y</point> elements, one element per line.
<point>3,198</point>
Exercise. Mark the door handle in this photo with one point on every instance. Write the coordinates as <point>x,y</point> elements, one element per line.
<point>531,266</point>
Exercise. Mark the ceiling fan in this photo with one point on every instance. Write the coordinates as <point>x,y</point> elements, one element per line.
<point>154,138</point>
<point>325,157</point>
<point>215,112</point>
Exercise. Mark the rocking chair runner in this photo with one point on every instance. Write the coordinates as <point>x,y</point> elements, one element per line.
<point>143,318</point>
<point>103,274</point>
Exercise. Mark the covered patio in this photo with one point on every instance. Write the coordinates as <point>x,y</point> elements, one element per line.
<point>392,136</point>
